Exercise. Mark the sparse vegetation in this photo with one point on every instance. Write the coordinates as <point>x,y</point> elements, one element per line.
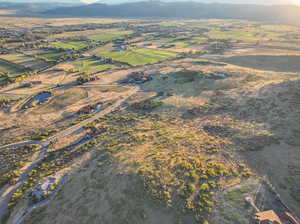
<point>12,160</point>
<point>155,119</point>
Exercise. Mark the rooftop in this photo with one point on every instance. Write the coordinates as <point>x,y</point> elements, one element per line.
<point>268,217</point>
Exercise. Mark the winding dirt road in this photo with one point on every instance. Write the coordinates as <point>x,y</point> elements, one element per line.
<point>8,191</point>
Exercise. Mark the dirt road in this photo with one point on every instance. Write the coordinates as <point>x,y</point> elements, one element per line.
<point>10,190</point>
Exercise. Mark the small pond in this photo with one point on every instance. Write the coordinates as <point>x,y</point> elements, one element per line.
<point>38,99</point>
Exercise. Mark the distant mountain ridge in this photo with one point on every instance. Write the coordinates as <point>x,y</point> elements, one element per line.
<point>27,7</point>
<point>286,14</point>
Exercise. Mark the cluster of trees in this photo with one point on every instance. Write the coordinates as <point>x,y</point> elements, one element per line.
<point>148,104</point>
<point>85,77</point>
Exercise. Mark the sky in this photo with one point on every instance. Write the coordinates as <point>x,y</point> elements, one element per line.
<point>267,2</point>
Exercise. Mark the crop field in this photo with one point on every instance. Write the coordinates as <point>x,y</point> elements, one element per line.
<point>86,34</point>
<point>52,56</point>
<point>99,50</point>
<point>73,35</point>
<point>72,45</point>
<point>109,36</point>
<point>6,67</point>
<point>90,65</point>
<point>103,35</point>
<point>140,56</point>
<point>181,44</point>
<point>15,58</point>
<point>252,35</point>
<point>24,60</point>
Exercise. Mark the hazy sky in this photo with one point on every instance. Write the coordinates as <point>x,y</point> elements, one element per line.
<point>227,1</point>
<point>269,2</point>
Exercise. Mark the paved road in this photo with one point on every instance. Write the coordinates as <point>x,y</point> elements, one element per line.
<point>10,190</point>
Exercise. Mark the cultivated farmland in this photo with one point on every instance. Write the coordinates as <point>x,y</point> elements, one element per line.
<point>137,57</point>
<point>71,45</point>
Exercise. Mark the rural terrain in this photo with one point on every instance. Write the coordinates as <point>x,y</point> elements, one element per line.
<point>151,121</point>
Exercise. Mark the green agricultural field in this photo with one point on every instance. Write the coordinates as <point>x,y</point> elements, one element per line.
<point>6,67</point>
<point>247,35</point>
<point>106,37</point>
<point>177,44</point>
<point>181,44</point>
<point>140,56</point>
<point>97,51</point>
<point>16,58</point>
<point>73,45</point>
<point>199,41</point>
<point>91,65</point>
<point>51,56</point>
<point>24,60</point>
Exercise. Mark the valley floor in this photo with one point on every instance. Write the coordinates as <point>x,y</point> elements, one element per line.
<point>175,139</point>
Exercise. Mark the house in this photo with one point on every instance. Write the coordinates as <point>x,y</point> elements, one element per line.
<point>87,109</point>
<point>137,78</point>
<point>268,217</point>
<point>43,189</point>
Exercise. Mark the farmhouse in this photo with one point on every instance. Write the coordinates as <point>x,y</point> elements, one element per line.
<point>90,109</point>
<point>137,78</point>
<point>42,189</point>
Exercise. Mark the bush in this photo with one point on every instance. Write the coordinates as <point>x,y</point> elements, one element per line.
<point>147,104</point>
